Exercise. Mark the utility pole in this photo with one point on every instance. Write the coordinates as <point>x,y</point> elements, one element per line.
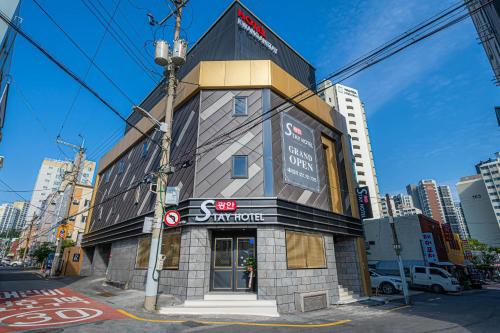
<point>156,237</point>
<point>75,171</point>
<point>397,249</point>
<point>28,238</point>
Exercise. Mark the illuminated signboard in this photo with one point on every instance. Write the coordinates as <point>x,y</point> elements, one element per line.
<point>254,29</point>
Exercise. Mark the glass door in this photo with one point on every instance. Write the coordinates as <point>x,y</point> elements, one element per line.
<point>230,263</point>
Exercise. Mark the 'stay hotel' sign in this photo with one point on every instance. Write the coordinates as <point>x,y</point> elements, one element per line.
<point>364,204</point>
<point>225,211</point>
<point>255,30</point>
<point>299,154</point>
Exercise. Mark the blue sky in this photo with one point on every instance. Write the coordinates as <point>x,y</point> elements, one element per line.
<point>430,108</point>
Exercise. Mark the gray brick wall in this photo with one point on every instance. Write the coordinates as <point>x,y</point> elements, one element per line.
<point>277,282</point>
<point>191,280</point>
<point>348,269</point>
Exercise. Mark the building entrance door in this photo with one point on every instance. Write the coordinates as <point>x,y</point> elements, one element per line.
<point>230,254</point>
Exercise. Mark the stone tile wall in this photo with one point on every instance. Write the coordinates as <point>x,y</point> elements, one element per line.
<point>277,282</point>
<point>348,269</point>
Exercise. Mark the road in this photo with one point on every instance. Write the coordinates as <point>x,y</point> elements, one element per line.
<point>70,305</point>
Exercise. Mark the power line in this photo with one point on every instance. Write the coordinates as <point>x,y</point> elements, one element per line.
<point>72,75</point>
<point>128,50</point>
<point>349,70</point>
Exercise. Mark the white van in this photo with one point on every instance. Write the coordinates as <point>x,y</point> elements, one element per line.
<point>434,278</point>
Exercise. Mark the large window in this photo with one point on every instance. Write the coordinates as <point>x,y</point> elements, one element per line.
<point>143,249</point>
<point>305,250</point>
<point>240,166</point>
<point>171,249</point>
<point>240,106</point>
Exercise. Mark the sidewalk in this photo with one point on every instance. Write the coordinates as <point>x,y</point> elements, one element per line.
<point>130,302</point>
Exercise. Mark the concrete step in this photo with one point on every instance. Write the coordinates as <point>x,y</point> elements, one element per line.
<point>230,297</point>
<point>204,304</point>
<point>250,307</point>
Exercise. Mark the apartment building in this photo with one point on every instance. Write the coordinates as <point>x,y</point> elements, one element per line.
<point>482,221</point>
<point>50,177</point>
<point>347,102</point>
<point>8,217</point>
<point>22,206</point>
<point>428,199</point>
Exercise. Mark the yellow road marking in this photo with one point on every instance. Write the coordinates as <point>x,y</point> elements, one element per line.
<point>335,323</point>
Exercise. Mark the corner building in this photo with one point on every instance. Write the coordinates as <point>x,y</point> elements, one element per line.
<point>280,191</point>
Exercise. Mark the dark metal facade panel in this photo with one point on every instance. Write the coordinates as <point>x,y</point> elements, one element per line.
<point>293,193</point>
<point>275,211</point>
<point>213,168</point>
<point>125,207</point>
<point>225,40</point>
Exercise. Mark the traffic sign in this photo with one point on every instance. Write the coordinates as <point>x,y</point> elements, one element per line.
<point>61,232</point>
<point>172,218</point>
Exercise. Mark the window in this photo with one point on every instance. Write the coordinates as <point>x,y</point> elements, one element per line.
<point>354,138</point>
<point>107,175</point>
<point>84,219</point>
<point>240,106</point>
<point>305,250</point>
<point>362,182</point>
<point>420,270</point>
<point>353,130</point>
<point>361,173</point>
<point>349,107</point>
<point>171,249</point>
<point>87,202</point>
<point>145,147</point>
<point>356,147</point>
<point>348,100</point>
<point>240,166</point>
<point>121,166</point>
<point>143,249</point>
<point>357,155</point>
<point>435,271</point>
<point>352,122</point>
<point>351,115</point>
<point>359,164</point>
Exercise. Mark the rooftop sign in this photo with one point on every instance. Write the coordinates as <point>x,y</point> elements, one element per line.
<point>255,30</point>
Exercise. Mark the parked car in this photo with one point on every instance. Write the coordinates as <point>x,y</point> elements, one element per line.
<point>436,279</point>
<point>5,262</point>
<point>386,284</point>
<point>16,263</point>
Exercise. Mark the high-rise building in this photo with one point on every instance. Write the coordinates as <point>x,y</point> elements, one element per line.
<point>50,177</point>
<point>486,17</point>
<point>403,200</point>
<point>428,198</point>
<point>464,231</point>
<point>449,209</point>
<point>22,206</point>
<point>478,210</point>
<point>8,217</point>
<point>9,8</point>
<point>400,204</point>
<point>346,101</point>
<point>412,190</point>
<point>490,172</point>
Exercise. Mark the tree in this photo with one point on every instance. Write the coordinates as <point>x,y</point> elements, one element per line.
<point>12,233</point>
<point>43,251</point>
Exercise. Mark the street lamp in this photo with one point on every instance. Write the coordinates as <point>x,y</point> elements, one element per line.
<point>162,126</point>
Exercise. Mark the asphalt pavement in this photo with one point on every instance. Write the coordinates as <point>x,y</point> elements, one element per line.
<point>89,305</point>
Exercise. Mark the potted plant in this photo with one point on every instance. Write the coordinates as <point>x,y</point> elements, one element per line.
<point>251,270</point>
